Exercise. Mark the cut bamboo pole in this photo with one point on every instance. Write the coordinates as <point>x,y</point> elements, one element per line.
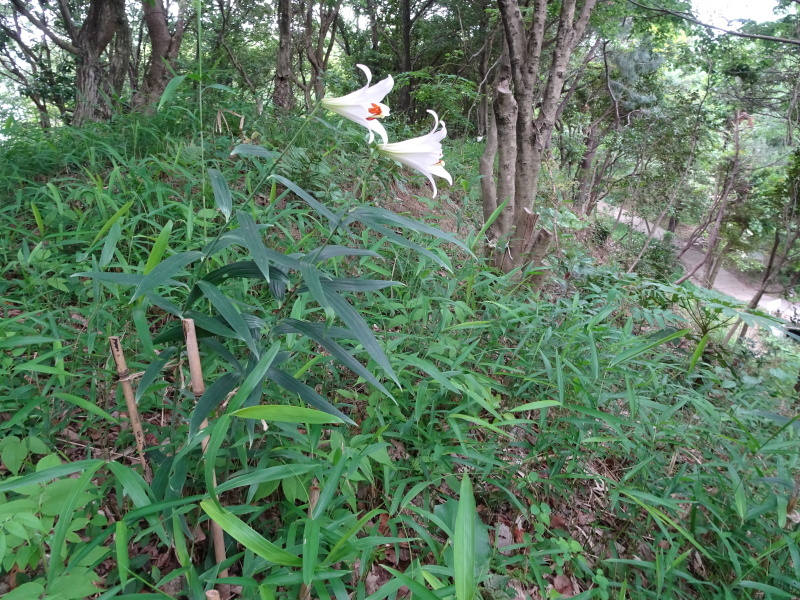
<point>198,389</point>
<point>124,377</point>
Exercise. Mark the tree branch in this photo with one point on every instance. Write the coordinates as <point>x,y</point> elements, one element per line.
<point>63,44</point>
<point>68,22</point>
<point>691,19</point>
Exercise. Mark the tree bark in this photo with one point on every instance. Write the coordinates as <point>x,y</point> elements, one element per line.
<point>282,95</point>
<point>165,45</point>
<point>94,82</point>
<point>97,31</point>
<point>404,91</point>
<point>533,131</point>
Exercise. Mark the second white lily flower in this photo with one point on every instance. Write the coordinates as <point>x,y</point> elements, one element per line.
<point>364,106</point>
<point>423,153</point>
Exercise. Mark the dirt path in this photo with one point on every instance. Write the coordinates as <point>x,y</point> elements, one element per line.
<point>727,282</point>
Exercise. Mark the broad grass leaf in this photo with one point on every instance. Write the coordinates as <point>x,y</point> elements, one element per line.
<point>247,269</point>
<point>642,348</point>
<point>159,247</point>
<point>374,214</point>
<point>355,285</point>
<point>229,313</point>
<point>86,405</point>
<point>169,91</point>
<point>330,485</point>
<point>165,270</point>
<point>247,536</point>
<point>324,253</point>
<point>114,218</point>
<point>253,150</point>
<point>464,543</point>
<point>286,414</point>
<point>153,370</point>
<point>211,399</point>
<point>419,591</point>
<point>317,333</point>
<point>121,547</point>
<point>12,484</point>
<point>255,378</point>
<point>254,243</point>
<point>65,520</point>
<point>306,393</point>
<point>310,549</point>
<point>361,331</point>
<point>770,590</point>
<point>265,475</point>
<point>315,204</point>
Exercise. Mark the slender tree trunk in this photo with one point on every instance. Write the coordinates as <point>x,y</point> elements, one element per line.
<point>533,132</point>
<point>316,51</point>
<point>585,169</point>
<point>404,92</point>
<point>718,264</point>
<point>282,95</point>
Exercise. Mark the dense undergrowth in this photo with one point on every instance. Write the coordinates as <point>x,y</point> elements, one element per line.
<point>594,440</point>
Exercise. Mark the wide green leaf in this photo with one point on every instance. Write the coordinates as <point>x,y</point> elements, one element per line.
<point>306,393</point>
<point>464,543</point>
<point>361,330</point>
<point>222,193</point>
<point>254,243</point>
<point>165,270</point>
<point>286,414</point>
<point>318,333</point>
<point>211,399</point>
<point>12,484</point>
<point>229,313</point>
<point>247,536</point>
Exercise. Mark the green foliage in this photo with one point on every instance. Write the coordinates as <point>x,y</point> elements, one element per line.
<point>384,410</point>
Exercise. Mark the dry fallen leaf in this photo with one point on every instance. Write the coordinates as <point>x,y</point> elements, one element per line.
<point>563,585</point>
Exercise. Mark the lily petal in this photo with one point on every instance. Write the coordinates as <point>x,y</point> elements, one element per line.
<point>364,106</point>
<point>423,153</point>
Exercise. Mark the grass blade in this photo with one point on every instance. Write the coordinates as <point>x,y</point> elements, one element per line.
<point>464,543</point>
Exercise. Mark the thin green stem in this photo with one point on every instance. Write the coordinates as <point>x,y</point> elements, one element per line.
<point>288,146</point>
<point>365,177</point>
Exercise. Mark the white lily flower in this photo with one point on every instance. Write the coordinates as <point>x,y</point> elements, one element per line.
<point>422,153</point>
<point>364,106</point>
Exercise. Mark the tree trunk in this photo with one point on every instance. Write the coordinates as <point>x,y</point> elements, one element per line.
<point>165,46</point>
<point>525,43</point>
<point>404,92</point>
<point>585,169</point>
<point>712,277</point>
<point>316,51</point>
<point>282,95</point>
<point>95,34</point>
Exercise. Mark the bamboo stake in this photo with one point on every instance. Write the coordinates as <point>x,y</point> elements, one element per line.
<point>212,595</point>
<point>198,389</point>
<point>124,378</point>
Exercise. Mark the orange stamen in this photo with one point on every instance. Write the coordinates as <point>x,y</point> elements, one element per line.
<point>374,110</point>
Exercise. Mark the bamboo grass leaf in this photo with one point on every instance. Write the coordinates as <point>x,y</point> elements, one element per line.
<point>247,536</point>
<point>464,543</point>
<point>355,322</point>
<point>162,273</point>
<point>222,193</point>
<point>229,313</point>
<point>306,393</point>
